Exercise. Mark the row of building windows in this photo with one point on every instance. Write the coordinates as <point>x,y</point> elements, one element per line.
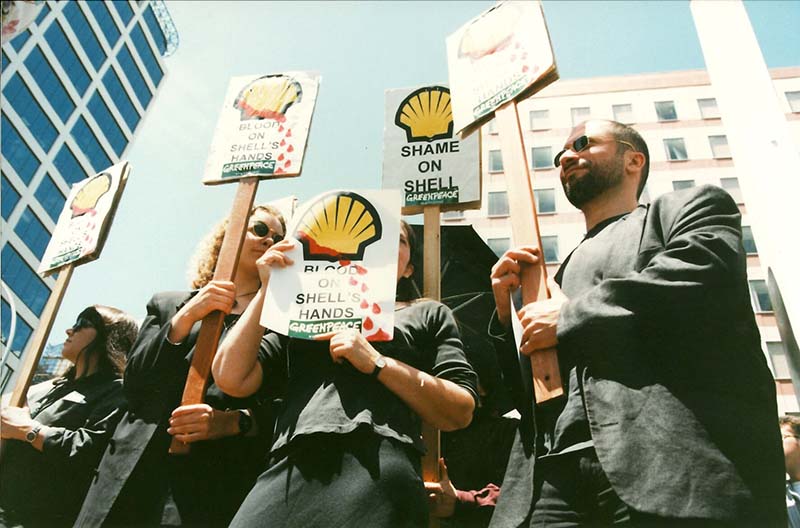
<point>22,330</point>
<point>32,232</point>
<point>51,86</point>
<point>31,289</point>
<point>67,57</point>
<point>665,111</point>
<point>22,100</point>
<point>90,145</point>
<point>542,158</point>
<point>18,154</point>
<point>86,36</point>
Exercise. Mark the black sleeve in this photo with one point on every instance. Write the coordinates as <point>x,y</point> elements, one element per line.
<point>273,358</point>
<point>86,444</point>
<point>154,364</point>
<point>449,360</point>
<point>696,263</point>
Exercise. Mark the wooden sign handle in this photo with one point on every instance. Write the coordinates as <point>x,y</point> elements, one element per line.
<point>19,396</point>
<point>432,289</point>
<point>211,328</point>
<point>525,228</point>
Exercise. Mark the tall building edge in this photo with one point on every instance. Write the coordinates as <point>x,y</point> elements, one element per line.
<point>76,86</point>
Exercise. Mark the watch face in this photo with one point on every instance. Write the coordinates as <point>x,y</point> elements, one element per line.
<point>245,422</point>
<point>380,362</point>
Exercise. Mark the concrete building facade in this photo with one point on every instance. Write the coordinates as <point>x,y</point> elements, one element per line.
<point>678,117</point>
<point>76,86</point>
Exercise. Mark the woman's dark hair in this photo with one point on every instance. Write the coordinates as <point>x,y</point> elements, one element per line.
<point>407,290</point>
<point>116,333</point>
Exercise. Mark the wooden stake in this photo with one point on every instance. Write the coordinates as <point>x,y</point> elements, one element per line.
<point>432,289</point>
<point>525,229</point>
<point>211,328</point>
<point>19,396</point>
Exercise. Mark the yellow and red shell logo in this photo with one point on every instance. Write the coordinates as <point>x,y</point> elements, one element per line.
<point>426,114</point>
<point>339,226</point>
<point>268,97</point>
<point>86,199</point>
<point>492,32</point>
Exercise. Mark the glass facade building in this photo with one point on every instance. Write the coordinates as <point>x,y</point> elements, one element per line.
<point>75,86</point>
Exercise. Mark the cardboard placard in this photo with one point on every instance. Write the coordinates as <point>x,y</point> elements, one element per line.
<point>263,127</point>
<point>422,157</point>
<point>345,267</point>
<point>501,55</point>
<point>84,222</point>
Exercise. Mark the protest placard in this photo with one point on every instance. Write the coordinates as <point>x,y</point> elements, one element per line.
<point>84,222</point>
<point>263,127</point>
<point>501,55</point>
<point>422,156</point>
<point>345,267</point>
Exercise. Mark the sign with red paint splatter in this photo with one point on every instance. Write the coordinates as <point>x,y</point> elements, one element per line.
<point>501,55</point>
<point>85,220</point>
<point>344,274</point>
<point>263,127</point>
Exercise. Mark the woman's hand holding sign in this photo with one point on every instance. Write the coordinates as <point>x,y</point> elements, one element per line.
<point>274,256</point>
<point>350,345</point>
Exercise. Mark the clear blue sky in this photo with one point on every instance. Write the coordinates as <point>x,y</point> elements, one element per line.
<point>360,49</point>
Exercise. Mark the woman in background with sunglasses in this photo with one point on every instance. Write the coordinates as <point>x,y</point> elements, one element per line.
<point>228,435</point>
<point>53,445</point>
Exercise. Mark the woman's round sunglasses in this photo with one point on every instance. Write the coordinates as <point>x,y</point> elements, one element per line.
<point>260,229</point>
<point>580,143</point>
<point>83,322</point>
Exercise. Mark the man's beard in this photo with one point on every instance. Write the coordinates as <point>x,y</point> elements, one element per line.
<point>597,179</point>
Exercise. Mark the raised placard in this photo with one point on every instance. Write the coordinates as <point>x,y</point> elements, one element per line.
<point>345,267</point>
<point>84,222</point>
<point>263,127</point>
<point>501,55</point>
<point>421,155</point>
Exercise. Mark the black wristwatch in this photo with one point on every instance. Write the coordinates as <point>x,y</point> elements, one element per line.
<point>379,364</point>
<point>31,435</point>
<point>245,422</point>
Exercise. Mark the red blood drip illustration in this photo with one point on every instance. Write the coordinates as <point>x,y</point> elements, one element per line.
<point>364,287</point>
<point>283,142</point>
<point>280,158</point>
<point>289,133</point>
<point>375,308</point>
<point>286,165</point>
<point>280,128</point>
<point>524,69</point>
<point>353,282</point>
<point>290,148</point>
<point>380,335</point>
<point>364,304</point>
<point>368,324</point>
<point>279,171</point>
<point>344,263</point>
<point>361,270</point>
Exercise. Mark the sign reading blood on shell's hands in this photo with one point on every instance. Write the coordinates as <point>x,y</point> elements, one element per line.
<point>263,127</point>
<point>422,157</point>
<point>345,267</point>
<point>85,219</point>
<point>501,55</point>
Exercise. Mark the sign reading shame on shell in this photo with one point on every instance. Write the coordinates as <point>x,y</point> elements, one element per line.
<point>422,157</point>
<point>84,222</point>
<point>345,267</point>
<point>501,55</point>
<point>263,127</point>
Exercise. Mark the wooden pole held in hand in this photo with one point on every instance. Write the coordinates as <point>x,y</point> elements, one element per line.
<point>525,228</point>
<point>211,328</point>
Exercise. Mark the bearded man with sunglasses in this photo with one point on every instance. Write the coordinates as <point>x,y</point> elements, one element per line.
<point>669,411</point>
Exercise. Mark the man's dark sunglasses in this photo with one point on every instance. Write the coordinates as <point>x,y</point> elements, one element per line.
<point>83,322</point>
<point>581,143</point>
<point>260,229</point>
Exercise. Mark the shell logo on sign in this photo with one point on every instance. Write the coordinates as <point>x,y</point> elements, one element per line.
<point>338,227</point>
<point>86,199</point>
<point>488,35</point>
<point>268,97</point>
<point>426,115</point>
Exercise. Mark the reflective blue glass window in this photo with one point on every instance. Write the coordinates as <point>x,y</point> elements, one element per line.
<point>23,280</point>
<point>50,197</point>
<point>155,30</point>
<point>134,76</point>
<point>124,10</point>
<point>85,34</point>
<point>121,99</point>
<point>67,56</point>
<point>68,166</point>
<point>5,61</point>
<point>20,40</point>
<point>19,95</point>
<point>107,123</point>
<point>89,144</point>
<point>17,152</point>
<point>42,14</point>
<point>32,231</point>
<point>9,197</point>
<point>146,54</point>
<point>22,331</point>
<point>49,83</point>
<point>105,21</point>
